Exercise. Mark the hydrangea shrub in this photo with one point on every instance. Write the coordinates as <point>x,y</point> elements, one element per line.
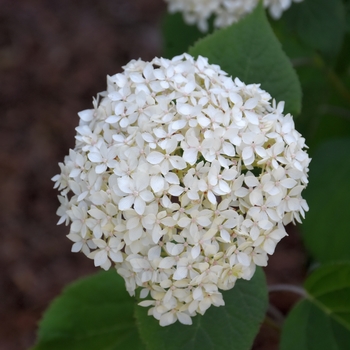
<point>225,12</point>
<point>183,179</point>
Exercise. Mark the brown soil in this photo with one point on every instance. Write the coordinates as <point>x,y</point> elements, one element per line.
<point>54,56</point>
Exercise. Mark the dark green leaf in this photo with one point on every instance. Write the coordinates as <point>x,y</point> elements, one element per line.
<point>319,23</point>
<point>233,326</point>
<point>93,313</point>
<point>177,35</point>
<point>329,289</point>
<point>250,51</point>
<point>323,320</point>
<point>326,230</point>
<point>308,328</point>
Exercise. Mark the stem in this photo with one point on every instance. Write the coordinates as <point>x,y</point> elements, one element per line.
<point>276,315</point>
<point>271,323</point>
<point>288,288</point>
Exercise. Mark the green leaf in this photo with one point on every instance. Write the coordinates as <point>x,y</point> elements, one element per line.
<point>319,23</point>
<point>347,16</point>
<point>329,289</point>
<point>326,230</point>
<point>177,35</point>
<point>233,326</point>
<point>309,328</point>
<point>323,320</point>
<point>250,51</point>
<point>93,313</point>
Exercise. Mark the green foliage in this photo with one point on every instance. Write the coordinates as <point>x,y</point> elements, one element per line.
<point>326,231</point>
<point>326,97</point>
<point>93,313</point>
<point>250,51</point>
<point>319,23</point>
<point>329,288</point>
<point>178,36</point>
<point>309,328</point>
<point>232,327</point>
<point>323,320</point>
<point>98,313</point>
<point>347,16</point>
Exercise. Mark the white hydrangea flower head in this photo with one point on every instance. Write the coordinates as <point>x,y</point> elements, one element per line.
<point>225,12</point>
<point>183,180</point>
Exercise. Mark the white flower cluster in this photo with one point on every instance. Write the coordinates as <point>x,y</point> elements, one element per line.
<point>225,12</point>
<point>183,179</point>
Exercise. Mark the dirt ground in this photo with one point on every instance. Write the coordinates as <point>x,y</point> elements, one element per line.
<point>54,56</point>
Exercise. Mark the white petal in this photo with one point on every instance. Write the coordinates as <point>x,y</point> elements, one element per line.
<point>175,190</point>
<point>228,149</point>
<point>184,318</point>
<point>167,263</point>
<point>288,183</point>
<point>76,247</point>
<point>147,196</point>
<point>180,273</point>
<point>224,187</point>
<point>167,319</point>
<point>100,258</point>
<point>247,153</point>
<point>100,168</point>
<point>256,197</point>
<point>225,236</point>
<point>190,155</point>
<point>155,157</point>
<point>269,246</point>
<point>203,221</point>
<point>178,124</point>
<point>154,252</point>
<point>139,205</point>
<point>184,221</point>
<point>244,259</point>
<point>95,157</point>
<point>86,115</point>
<point>252,117</point>
<point>116,256</point>
<point>132,222</point>
<point>195,251</point>
<point>135,233</point>
<point>157,183</point>
<point>211,197</point>
<point>126,202</point>
<point>177,162</point>
<point>172,178</point>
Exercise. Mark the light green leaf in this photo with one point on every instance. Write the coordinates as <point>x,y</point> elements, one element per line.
<point>233,326</point>
<point>326,229</point>
<point>93,313</point>
<point>323,320</point>
<point>319,23</point>
<point>250,51</point>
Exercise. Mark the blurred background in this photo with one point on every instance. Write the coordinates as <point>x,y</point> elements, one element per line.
<point>54,57</point>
